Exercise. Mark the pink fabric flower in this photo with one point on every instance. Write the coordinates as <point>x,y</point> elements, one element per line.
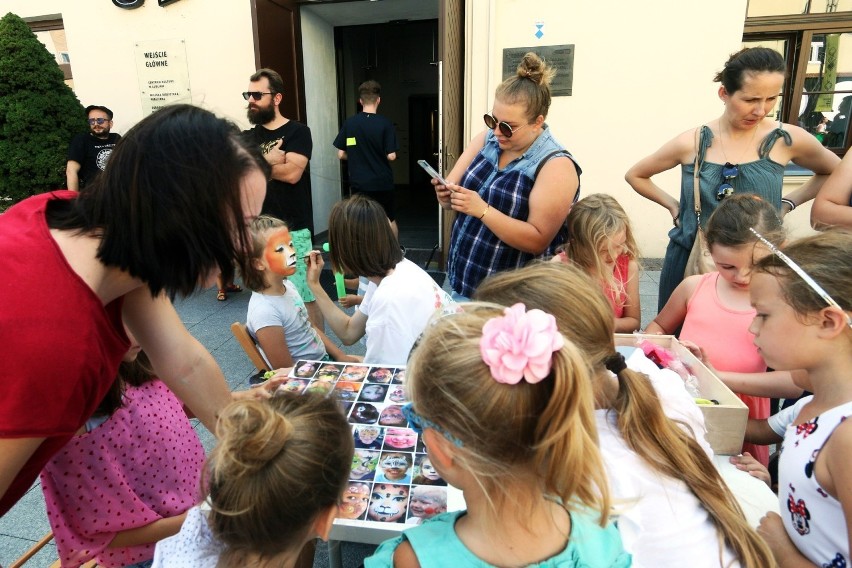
<point>520,344</point>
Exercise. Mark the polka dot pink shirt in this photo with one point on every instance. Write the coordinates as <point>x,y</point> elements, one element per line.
<point>141,465</point>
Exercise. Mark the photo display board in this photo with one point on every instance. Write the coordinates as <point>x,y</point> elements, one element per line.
<point>391,479</point>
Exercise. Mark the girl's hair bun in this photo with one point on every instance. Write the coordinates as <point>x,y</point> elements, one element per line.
<point>535,69</point>
<point>252,434</point>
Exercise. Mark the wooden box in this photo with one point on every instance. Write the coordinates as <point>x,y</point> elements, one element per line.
<point>726,422</point>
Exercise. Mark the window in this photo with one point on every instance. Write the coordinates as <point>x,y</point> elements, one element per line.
<point>815,37</point>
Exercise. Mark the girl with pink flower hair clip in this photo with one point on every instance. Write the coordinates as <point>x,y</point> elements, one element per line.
<point>505,406</point>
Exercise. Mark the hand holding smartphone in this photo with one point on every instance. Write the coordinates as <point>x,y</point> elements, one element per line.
<point>431,171</point>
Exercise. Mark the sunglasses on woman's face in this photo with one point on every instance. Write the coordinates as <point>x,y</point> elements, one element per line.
<point>505,129</point>
<point>729,172</point>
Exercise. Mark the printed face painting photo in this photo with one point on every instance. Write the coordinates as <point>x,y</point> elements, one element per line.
<point>426,502</point>
<point>354,373</point>
<point>380,375</point>
<point>363,465</point>
<point>320,387</point>
<point>397,394</point>
<point>353,503</point>
<point>392,416</point>
<point>364,413</point>
<point>305,369</point>
<point>400,439</point>
<point>395,467</point>
<point>399,377</point>
<point>388,503</point>
<point>329,372</point>
<point>293,385</point>
<point>373,393</point>
<point>346,390</point>
<point>369,437</point>
<point>425,473</point>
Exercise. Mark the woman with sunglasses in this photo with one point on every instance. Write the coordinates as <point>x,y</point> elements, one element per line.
<point>737,152</point>
<point>512,186</point>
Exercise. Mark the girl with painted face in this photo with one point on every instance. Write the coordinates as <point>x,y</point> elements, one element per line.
<point>277,317</point>
<point>425,473</point>
<point>368,436</point>
<point>426,502</point>
<point>397,394</point>
<point>354,502</point>
<point>394,467</point>
<point>364,465</point>
<point>402,439</point>
<point>381,375</point>
<point>388,503</point>
<point>373,393</point>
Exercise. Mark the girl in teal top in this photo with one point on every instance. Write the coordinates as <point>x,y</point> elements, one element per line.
<point>738,153</point>
<point>505,406</point>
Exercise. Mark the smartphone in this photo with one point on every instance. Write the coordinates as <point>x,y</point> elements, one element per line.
<point>431,171</point>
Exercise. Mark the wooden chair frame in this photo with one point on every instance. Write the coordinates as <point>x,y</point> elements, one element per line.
<point>249,346</point>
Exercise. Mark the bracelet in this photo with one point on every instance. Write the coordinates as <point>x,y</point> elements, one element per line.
<point>788,202</point>
<point>487,207</point>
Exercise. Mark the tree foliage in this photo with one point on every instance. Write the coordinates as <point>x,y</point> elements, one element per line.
<point>39,114</point>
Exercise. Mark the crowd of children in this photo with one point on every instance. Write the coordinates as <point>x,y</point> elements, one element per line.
<point>568,449</point>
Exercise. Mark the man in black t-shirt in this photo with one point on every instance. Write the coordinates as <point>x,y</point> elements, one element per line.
<point>287,146</point>
<point>368,142</point>
<point>88,153</point>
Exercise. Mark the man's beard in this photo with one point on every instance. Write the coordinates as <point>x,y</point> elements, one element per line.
<point>261,115</point>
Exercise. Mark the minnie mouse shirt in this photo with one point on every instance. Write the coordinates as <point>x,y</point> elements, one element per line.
<point>813,518</point>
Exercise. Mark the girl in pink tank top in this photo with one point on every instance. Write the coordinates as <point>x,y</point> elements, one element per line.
<point>714,310</point>
<point>601,242</point>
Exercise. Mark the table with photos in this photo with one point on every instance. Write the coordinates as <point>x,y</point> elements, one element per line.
<point>392,484</point>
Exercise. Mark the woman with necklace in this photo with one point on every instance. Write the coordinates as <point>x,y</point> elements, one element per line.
<point>512,186</point>
<point>747,158</point>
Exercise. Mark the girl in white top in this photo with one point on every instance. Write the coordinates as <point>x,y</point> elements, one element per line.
<point>273,484</point>
<point>401,297</point>
<point>672,506</point>
<point>803,301</point>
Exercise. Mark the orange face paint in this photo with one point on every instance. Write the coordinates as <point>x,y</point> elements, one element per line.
<point>279,253</point>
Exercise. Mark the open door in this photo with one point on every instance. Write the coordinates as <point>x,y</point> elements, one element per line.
<point>278,46</point>
<point>451,34</point>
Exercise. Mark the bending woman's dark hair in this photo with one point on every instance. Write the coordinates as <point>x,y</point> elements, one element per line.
<point>584,316</point>
<point>168,207</point>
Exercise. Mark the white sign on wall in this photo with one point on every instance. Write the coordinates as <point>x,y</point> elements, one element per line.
<point>163,74</point>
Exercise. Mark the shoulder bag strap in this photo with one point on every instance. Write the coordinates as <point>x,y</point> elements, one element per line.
<point>696,178</point>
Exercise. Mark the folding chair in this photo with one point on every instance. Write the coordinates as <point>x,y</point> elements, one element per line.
<point>249,346</point>
<point>37,547</point>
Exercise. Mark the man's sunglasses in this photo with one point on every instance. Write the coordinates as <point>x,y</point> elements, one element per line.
<point>729,172</point>
<point>505,129</point>
<point>255,95</point>
<point>98,120</point>
<point>803,275</point>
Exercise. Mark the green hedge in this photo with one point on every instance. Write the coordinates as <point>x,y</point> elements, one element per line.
<point>39,114</point>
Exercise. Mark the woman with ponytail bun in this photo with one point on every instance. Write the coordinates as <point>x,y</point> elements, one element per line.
<point>513,185</point>
<point>272,483</point>
<point>672,506</point>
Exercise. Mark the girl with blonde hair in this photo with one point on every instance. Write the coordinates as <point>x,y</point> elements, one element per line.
<point>601,242</point>
<point>505,406</point>
<point>673,507</point>
<point>273,484</point>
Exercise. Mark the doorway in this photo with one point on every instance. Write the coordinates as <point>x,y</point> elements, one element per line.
<point>402,56</point>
